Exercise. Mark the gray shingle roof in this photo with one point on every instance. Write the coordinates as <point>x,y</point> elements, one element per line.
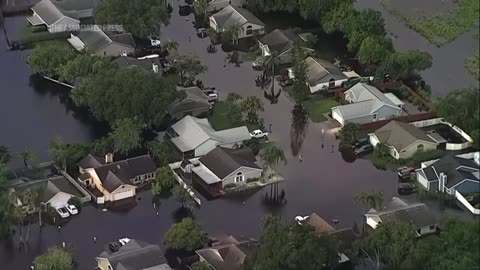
<point>222,161</point>
<point>362,91</point>
<point>318,70</point>
<point>46,10</point>
<point>136,255</point>
<point>96,39</point>
<point>145,64</point>
<point>194,131</point>
<point>401,135</point>
<point>75,5</point>
<point>195,100</point>
<point>91,161</point>
<point>115,174</point>
<point>229,255</point>
<point>123,38</point>
<point>52,10</point>
<point>279,40</point>
<point>229,16</point>
<point>451,167</point>
<point>50,187</point>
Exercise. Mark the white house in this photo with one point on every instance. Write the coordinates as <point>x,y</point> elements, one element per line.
<point>417,214</point>
<point>117,180</point>
<point>229,16</point>
<point>61,15</point>
<point>367,104</point>
<point>194,137</point>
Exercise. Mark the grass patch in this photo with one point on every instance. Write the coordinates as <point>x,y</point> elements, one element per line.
<point>220,121</point>
<point>317,106</point>
<point>33,34</point>
<point>389,163</point>
<point>440,30</point>
<point>472,65</point>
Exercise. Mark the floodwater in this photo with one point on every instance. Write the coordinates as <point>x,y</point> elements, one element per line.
<point>323,182</point>
<point>447,72</point>
<point>32,110</point>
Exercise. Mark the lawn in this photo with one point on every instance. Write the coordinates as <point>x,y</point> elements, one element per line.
<point>219,118</point>
<point>441,28</point>
<point>317,106</point>
<point>33,34</point>
<point>473,65</point>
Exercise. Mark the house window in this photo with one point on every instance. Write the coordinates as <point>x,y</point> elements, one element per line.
<point>239,177</point>
<point>375,117</point>
<point>420,148</point>
<point>331,83</point>
<point>249,30</point>
<point>432,227</point>
<point>419,230</point>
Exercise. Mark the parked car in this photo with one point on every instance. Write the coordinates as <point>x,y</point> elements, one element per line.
<point>114,246</point>
<point>257,133</point>
<point>361,142</point>
<point>406,188</point>
<point>405,172</point>
<point>364,149</point>
<point>154,42</point>
<point>212,97</point>
<point>123,241</point>
<point>258,63</point>
<point>62,212</point>
<point>202,32</point>
<point>71,209</point>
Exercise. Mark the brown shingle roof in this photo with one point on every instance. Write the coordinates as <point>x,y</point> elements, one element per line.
<point>223,161</point>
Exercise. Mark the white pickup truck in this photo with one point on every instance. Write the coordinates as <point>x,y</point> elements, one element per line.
<point>257,133</point>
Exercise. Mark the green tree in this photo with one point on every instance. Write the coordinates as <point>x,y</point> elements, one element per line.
<point>4,154</point>
<point>265,6</point>
<point>390,243</point>
<point>164,180</point>
<point>232,33</point>
<point>83,65</point>
<point>48,59</point>
<point>403,64</point>
<point>271,156</point>
<point>103,146</point>
<point>234,111</point>
<point>7,209</point>
<point>54,259</point>
<point>126,135</point>
<point>201,266</point>
<point>369,200</point>
<point>349,133</point>
<point>300,87</point>
<point>163,153</point>
<point>183,197</point>
<point>187,66</point>
<point>27,155</point>
<point>374,50</point>
<point>74,200</point>
<point>67,155</point>
<point>381,151</point>
<point>461,109</point>
<point>272,61</point>
<point>250,106</point>
<point>200,8</point>
<point>170,45</point>
<point>185,235</point>
<point>141,18</point>
<point>472,65</point>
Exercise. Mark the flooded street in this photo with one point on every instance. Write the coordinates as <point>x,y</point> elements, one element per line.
<point>322,183</point>
<point>447,72</point>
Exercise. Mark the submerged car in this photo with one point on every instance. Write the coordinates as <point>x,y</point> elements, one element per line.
<point>62,212</point>
<point>405,172</point>
<point>364,149</point>
<point>71,209</point>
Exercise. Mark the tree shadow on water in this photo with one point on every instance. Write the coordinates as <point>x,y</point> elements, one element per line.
<point>298,130</point>
<point>182,212</point>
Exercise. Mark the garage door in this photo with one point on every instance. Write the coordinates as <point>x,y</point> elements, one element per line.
<point>337,116</point>
<point>123,194</point>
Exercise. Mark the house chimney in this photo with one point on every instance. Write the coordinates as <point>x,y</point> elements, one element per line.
<point>108,158</point>
<point>442,182</point>
<point>155,68</point>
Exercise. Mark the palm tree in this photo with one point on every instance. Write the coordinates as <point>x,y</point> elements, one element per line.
<point>299,127</point>
<point>251,105</point>
<point>58,152</point>
<point>4,154</point>
<point>369,200</point>
<point>235,30</point>
<point>271,156</point>
<point>27,155</point>
<point>271,61</point>
<point>200,8</point>
<point>170,45</point>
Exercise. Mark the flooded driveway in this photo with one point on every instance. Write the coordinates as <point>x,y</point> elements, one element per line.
<point>447,72</point>
<point>322,183</point>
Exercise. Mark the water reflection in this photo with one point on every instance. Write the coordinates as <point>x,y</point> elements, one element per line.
<point>298,130</point>
<point>348,154</point>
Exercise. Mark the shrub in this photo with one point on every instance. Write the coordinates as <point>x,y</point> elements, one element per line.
<point>251,180</point>
<point>416,101</point>
<point>410,98</point>
<point>231,185</point>
<point>75,201</point>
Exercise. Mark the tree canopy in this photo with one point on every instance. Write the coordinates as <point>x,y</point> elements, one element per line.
<point>118,93</point>
<point>83,65</point>
<point>7,217</point>
<point>54,259</point>
<point>163,153</point>
<point>48,58</point>
<point>141,18</point>
<point>374,50</point>
<point>126,135</point>
<point>4,154</point>
<point>400,65</point>
<point>349,133</point>
<point>185,235</point>
<point>300,88</point>
<point>461,109</point>
<point>67,155</point>
<point>164,180</point>
<point>272,155</point>
<point>183,197</point>
<point>187,67</point>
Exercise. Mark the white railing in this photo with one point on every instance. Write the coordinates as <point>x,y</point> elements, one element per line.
<point>464,201</point>
<point>180,181</point>
<point>448,146</point>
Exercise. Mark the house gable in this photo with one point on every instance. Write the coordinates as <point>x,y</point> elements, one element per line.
<point>242,169</point>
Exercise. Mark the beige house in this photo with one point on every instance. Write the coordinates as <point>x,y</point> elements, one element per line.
<point>116,180</point>
<point>229,16</point>
<point>403,139</point>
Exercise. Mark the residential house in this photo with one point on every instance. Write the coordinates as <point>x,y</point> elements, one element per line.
<point>117,180</point>
<point>417,214</point>
<point>403,140</point>
<point>194,137</point>
<point>61,15</point>
<point>146,64</point>
<point>323,75</point>
<point>451,173</point>
<point>229,16</point>
<point>194,104</point>
<point>216,5</point>
<point>222,167</point>
<point>367,104</point>
<point>97,41</point>
<point>280,41</point>
<point>228,254</point>
<point>55,191</point>
<point>134,255</point>
<point>345,237</point>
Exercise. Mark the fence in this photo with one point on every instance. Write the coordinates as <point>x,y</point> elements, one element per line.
<point>176,165</point>
<point>86,195</point>
<point>448,146</point>
<point>464,201</point>
<point>407,119</point>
